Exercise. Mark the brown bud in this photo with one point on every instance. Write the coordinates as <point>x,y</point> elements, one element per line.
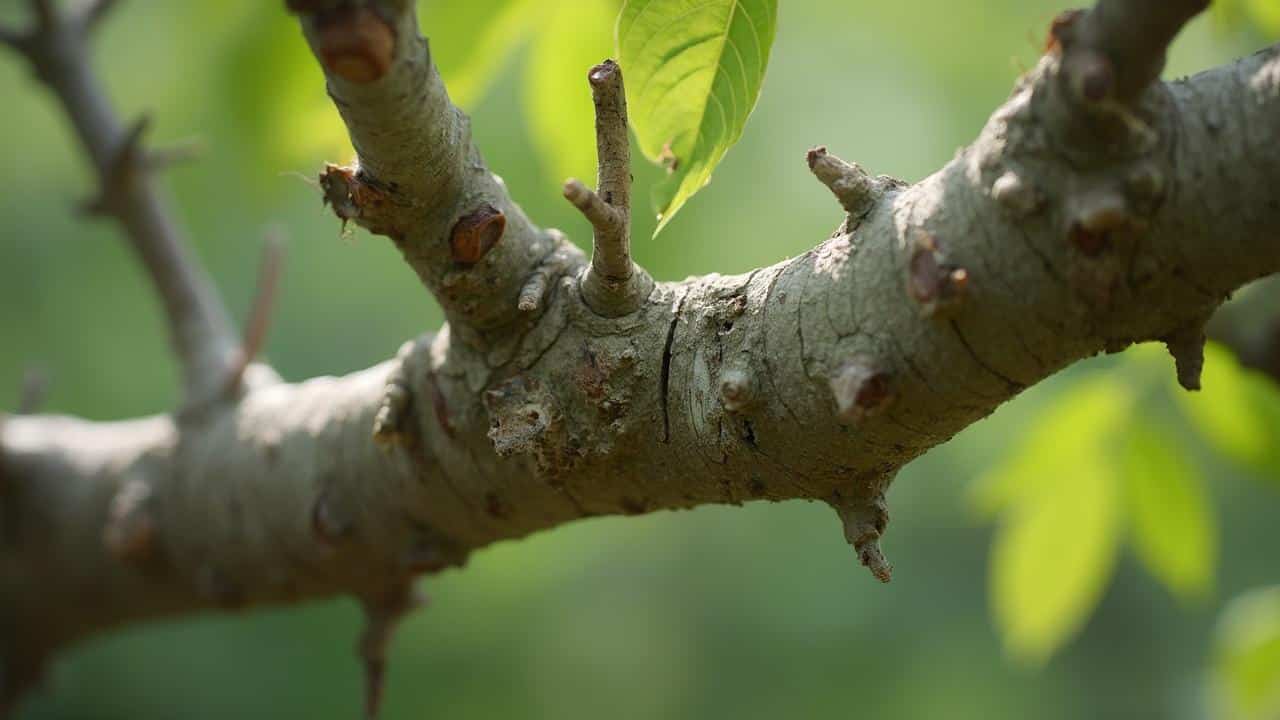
<point>355,44</point>
<point>476,233</point>
<point>1096,216</point>
<point>860,390</point>
<point>930,281</point>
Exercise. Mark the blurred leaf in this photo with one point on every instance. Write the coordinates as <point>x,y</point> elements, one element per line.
<point>1174,532</point>
<point>693,74</point>
<point>1266,13</point>
<point>574,35</point>
<point>1079,423</point>
<point>1057,544</point>
<point>1052,559</point>
<point>1237,412</point>
<point>277,99</point>
<point>477,39</point>
<point>1246,664</point>
<point>1261,15</point>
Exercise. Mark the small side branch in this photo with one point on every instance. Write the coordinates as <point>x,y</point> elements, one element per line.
<point>259,321</point>
<point>613,285</point>
<point>57,48</point>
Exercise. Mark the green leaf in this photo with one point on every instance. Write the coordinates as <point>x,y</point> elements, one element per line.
<point>1173,528</point>
<point>1246,663</point>
<point>1079,422</point>
<point>1237,412</point>
<point>574,35</point>
<point>693,74</point>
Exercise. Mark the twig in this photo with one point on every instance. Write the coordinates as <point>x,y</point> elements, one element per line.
<point>613,285</point>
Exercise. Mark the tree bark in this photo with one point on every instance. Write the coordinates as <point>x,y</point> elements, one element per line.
<point>1098,208</point>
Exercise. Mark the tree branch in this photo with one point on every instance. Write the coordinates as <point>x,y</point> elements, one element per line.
<point>1069,227</point>
<point>57,49</point>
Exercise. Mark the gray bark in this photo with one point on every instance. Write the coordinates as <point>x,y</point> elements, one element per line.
<point>1098,208</point>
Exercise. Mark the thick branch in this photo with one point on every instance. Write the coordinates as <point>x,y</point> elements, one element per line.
<point>199,329</point>
<point>816,378</point>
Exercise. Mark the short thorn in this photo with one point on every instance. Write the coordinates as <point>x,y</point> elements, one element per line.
<point>1187,348</point>
<point>864,519</point>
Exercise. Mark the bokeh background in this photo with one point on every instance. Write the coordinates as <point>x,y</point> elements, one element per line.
<point>753,612</point>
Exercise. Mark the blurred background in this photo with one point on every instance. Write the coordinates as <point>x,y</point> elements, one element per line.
<point>1133,585</point>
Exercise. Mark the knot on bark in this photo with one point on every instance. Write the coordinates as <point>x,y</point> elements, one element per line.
<point>521,417</point>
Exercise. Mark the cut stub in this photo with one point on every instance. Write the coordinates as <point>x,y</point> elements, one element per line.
<point>864,520</point>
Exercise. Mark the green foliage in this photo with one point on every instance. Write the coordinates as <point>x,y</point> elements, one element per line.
<point>1172,524</point>
<point>1246,662</point>
<point>1060,531</point>
<point>694,73</point>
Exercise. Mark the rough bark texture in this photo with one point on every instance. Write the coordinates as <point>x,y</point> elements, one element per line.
<point>1096,209</point>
